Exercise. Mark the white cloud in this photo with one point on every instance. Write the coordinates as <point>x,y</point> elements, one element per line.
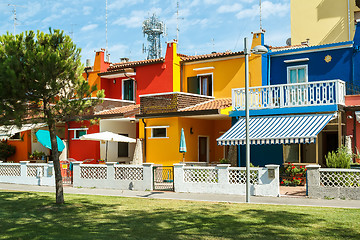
<point>267,9</point>
<point>211,1</point>
<point>136,18</point>
<point>119,4</point>
<point>133,21</point>
<point>51,18</point>
<point>89,27</point>
<point>229,8</point>
<point>87,10</point>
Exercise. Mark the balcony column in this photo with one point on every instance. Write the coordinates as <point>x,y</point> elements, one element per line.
<point>339,128</point>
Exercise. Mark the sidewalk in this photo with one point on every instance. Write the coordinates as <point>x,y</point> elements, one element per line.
<point>283,200</point>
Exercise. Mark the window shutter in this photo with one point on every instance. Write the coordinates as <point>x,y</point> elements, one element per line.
<point>193,85</point>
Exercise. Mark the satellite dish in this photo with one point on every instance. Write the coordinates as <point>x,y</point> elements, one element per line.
<point>288,42</point>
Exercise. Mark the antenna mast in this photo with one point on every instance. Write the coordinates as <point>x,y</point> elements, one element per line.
<point>177,21</point>
<point>15,18</point>
<point>260,15</point>
<point>153,28</point>
<point>106,36</point>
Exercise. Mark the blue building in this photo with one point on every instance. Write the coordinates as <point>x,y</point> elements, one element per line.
<point>298,114</point>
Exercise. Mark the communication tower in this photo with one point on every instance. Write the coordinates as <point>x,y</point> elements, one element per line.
<point>153,28</point>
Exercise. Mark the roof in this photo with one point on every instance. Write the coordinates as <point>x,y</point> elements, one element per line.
<point>116,66</point>
<point>126,111</point>
<point>185,58</point>
<point>305,46</point>
<point>220,103</point>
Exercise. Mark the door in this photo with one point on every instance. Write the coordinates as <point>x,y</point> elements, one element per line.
<point>203,149</point>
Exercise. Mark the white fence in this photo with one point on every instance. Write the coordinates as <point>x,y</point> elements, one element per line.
<point>41,174</point>
<point>223,179</point>
<point>113,175</point>
<point>333,182</point>
<point>291,95</point>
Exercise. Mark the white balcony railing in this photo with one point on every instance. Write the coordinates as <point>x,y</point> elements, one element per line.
<point>291,95</point>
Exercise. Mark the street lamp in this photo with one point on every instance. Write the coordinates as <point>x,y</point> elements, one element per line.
<point>256,50</point>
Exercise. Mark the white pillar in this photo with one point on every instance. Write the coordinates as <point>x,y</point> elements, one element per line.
<point>148,176</point>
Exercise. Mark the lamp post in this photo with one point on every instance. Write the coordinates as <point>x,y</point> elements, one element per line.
<point>257,50</point>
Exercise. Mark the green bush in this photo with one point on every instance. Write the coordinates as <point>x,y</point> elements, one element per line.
<point>6,150</point>
<point>339,159</point>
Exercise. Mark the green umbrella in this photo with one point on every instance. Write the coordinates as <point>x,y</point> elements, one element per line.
<point>182,148</point>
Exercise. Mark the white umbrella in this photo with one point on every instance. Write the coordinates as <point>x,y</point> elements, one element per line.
<point>138,156</point>
<point>107,136</point>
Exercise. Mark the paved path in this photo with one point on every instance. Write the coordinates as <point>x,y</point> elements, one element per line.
<point>283,200</point>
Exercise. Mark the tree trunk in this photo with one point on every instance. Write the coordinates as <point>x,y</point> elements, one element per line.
<point>57,169</point>
<point>232,155</point>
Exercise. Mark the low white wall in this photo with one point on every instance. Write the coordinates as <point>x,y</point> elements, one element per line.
<point>113,175</point>
<point>41,174</point>
<point>332,183</point>
<point>224,179</point>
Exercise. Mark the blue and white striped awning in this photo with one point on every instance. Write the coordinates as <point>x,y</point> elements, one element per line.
<point>285,129</point>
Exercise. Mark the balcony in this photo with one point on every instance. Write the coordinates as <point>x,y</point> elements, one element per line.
<point>320,93</point>
<point>169,102</point>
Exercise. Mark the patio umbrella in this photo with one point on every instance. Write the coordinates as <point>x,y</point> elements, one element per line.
<point>108,137</point>
<point>138,155</point>
<point>43,137</point>
<point>182,148</point>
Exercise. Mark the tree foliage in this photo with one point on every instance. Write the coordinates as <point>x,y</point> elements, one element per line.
<point>41,81</point>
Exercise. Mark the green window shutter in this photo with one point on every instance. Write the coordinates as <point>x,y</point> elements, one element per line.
<point>128,90</point>
<point>193,85</point>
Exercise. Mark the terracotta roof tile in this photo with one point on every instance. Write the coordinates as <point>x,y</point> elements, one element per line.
<point>219,103</point>
<point>127,111</point>
<point>116,66</point>
<point>209,56</point>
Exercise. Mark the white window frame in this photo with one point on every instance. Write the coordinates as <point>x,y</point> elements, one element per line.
<point>122,88</point>
<point>157,127</point>
<point>212,82</point>
<point>297,67</point>
<point>77,129</point>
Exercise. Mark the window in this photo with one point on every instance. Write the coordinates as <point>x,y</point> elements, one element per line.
<point>16,136</point>
<point>123,148</point>
<point>201,84</point>
<point>78,132</point>
<point>158,133</point>
<point>128,89</point>
<point>297,74</point>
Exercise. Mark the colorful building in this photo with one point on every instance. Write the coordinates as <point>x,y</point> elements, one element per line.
<point>308,85</point>
<point>200,108</point>
<point>123,83</point>
<point>323,21</point>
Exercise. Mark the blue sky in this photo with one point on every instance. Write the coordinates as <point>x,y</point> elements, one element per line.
<point>205,25</point>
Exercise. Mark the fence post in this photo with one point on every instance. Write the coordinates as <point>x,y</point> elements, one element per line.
<point>110,172</point>
<point>312,180</point>
<point>76,174</point>
<point>23,168</point>
<point>273,178</point>
<point>223,173</point>
<point>178,176</point>
<point>148,176</point>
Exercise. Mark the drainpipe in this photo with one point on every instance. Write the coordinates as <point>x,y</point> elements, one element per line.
<point>144,140</point>
<point>354,130</point>
<point>349,21</point>
<point>268,80</point>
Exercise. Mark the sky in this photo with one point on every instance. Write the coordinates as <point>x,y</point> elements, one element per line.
<point>204,25</point>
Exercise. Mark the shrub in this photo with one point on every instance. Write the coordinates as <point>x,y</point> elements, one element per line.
<point>339,159</point>
<point>6,150</point>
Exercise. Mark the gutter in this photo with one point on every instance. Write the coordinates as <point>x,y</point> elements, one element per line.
<point>144,140</point>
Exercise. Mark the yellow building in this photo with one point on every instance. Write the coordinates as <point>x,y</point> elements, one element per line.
<point>201,108</point>
<point>323,21</point>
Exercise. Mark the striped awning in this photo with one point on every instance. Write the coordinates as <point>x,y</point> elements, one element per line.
<point>285,129</point>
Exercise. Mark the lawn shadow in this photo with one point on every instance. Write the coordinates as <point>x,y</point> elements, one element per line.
<point>35,216</point>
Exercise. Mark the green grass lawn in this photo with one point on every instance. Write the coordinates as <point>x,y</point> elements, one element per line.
<point>35,216</point>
